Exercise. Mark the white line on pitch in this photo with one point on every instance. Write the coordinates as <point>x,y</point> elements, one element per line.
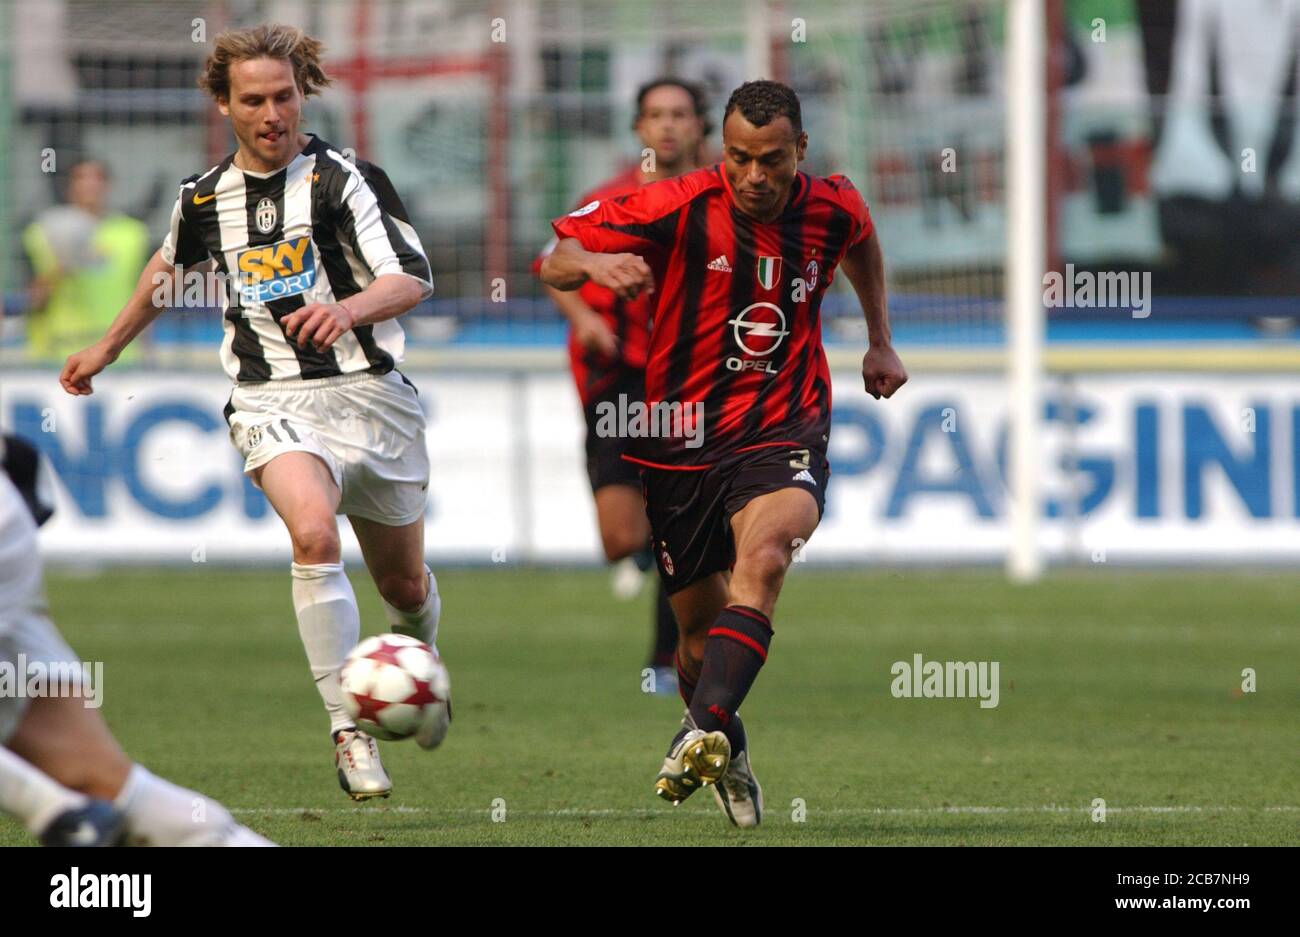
<point>835,811</point>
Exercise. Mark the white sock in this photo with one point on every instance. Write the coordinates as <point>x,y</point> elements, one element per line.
<point>423,622</point>
<point>160,813</point>
<point>31,795</point>
<point>330,626</point>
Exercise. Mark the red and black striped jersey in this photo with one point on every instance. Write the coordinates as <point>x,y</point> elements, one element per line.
<point>736,322</point>
<point>629,320</point>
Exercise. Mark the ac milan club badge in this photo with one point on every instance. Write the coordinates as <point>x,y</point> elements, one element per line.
<point>266,216</point>
<point>810,274</point>
<point>768,271</point>
<point>667,560</point>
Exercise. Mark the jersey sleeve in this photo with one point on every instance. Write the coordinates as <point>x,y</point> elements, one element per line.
<point>374,223</point>
<point>641,221</point>
<point>850,200</point>
<point>182,245</point>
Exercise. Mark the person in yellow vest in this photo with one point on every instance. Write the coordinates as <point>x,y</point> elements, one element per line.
<point>86,259</point>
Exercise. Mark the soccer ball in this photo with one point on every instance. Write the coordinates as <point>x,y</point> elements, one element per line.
<point>395,686</point>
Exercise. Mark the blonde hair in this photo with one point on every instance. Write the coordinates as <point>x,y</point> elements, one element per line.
<point>270,41</point>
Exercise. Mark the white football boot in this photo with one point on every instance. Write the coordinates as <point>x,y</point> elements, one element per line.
<point>738,793</point>
<point>697,760</point>
<point>361,775</point>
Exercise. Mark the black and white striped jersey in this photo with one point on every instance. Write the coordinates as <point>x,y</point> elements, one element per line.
<point>317,231</point>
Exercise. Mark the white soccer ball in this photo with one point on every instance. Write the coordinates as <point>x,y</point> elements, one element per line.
<point>395,686</point>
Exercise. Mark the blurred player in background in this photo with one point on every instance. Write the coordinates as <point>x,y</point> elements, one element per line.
<point>319,258</point>
<point>608,340</point>
<point>62,774</point>
<point>85,259</point>
<point>740,256</point>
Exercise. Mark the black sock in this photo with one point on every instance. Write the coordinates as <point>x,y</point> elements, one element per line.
<point>665,649</point>
<point>685,685</point>
<point>734,652</point>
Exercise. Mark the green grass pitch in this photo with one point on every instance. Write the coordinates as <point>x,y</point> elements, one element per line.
<point>1124,686</point>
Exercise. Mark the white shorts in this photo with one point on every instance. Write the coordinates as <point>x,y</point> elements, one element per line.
<point>34,636</point>
<point>368,430</point>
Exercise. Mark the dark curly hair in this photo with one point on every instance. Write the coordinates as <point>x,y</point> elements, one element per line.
<point>698,98</point>
<point>761,102</point>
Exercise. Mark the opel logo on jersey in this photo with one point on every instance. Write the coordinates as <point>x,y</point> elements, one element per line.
<point>759,329</point>
<point>275,271</point>
<point>768,271</point>
<point>266,216</point>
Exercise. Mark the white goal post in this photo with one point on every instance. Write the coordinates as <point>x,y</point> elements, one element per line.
<point>1026,240</point>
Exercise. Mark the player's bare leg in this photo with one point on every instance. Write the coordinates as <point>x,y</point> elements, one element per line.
<point>59,776</point>
<point>620,515</point>
<point>696,608</point>
<point>71,744</point>
<point>766,530</point>
<point>302,490</point>
<point>395,558</point>
<point>625,539</point>
<point>725,634</point>
<point>58,815</point>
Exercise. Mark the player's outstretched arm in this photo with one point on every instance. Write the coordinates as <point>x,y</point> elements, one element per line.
<point>140,310</point>
<point>569,266</point>
<point>323,324</point>
<point>864,265</point>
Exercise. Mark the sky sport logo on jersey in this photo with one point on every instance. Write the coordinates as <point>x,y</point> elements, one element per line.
<point>275,271</point>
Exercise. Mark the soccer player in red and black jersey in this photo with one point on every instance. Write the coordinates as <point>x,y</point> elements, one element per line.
<point>609,336</point>
<point>738,257</point>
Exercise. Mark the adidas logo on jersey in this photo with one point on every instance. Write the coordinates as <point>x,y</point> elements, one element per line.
<point>719,263</point>
<point>805,476</point>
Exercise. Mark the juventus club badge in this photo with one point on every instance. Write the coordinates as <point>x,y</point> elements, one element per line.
<point>266,216</point>
<point>768,271</point>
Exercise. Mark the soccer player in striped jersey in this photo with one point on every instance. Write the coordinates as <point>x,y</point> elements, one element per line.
<point>608,340</point>
<point>320,259</point>
<point>739,256</point>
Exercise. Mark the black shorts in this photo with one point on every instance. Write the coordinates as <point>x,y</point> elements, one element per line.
<point>690,511</point>
<point>605,463</point>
